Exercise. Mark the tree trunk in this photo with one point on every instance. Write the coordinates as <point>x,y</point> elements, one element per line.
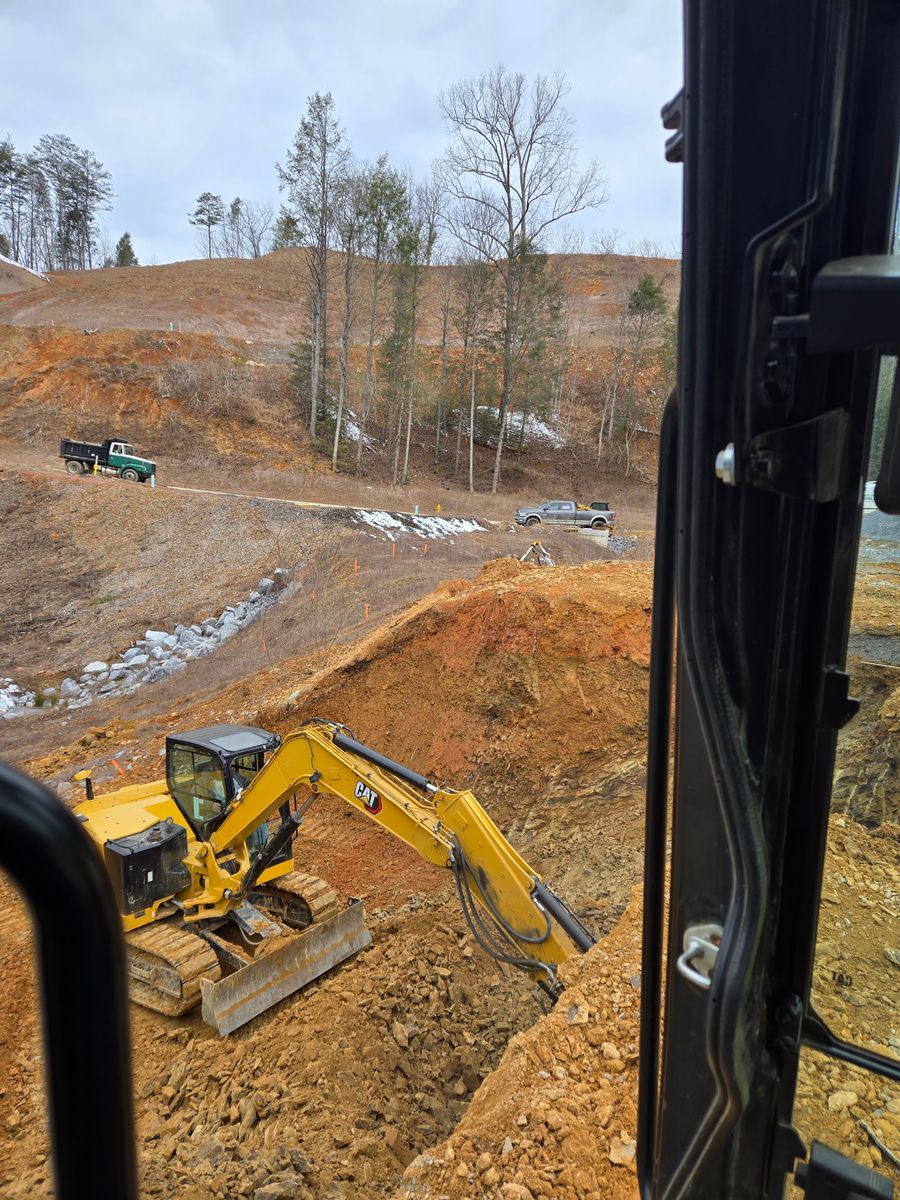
<point>344,384</point>
<point>472,426</point>
<point>495,482</point>
<point>369,393</point>
<point>396,474</point>
<point>314,365</point>
<point>507,342</point>
<point>437,435</point>
<point>340,416</point>
<point>409,411</point>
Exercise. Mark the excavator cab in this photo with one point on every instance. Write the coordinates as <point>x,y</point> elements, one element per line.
<point>207,769</point>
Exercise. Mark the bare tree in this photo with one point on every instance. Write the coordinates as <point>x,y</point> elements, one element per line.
<point>641,322</point>
<point>511,170</point>
<point>257,221</point>
<point>416,234</point>
<point>606,241</point>
<point>315,163</point>
<point>474,313</point>
<point>646,248</point>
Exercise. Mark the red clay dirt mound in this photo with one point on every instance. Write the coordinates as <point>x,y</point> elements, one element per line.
<point>511,680</point>
<point>527,685</point>
<point>15,279</point>
<point>181,397</point>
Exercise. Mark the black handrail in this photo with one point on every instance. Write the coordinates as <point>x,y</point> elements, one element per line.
<point>83,993</point>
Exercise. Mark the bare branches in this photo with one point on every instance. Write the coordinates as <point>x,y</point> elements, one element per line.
<point>511,174</point>
<point>50,201</point>
<point>511,163</point>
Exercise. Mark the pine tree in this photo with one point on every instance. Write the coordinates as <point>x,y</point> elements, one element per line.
<point>125,255</point>
<point>314,168</point>
<point>210,211</point>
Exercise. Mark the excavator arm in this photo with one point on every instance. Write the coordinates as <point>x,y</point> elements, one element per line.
<point>512,913</point>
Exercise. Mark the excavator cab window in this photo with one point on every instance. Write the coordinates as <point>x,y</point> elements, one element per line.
<point>245,768</point>
<point>198,785</point>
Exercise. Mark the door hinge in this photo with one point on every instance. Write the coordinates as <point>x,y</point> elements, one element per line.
<point>806,461</point>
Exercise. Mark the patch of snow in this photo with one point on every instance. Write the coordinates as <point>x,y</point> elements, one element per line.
<point>394,524</point>
<point>537,431</point>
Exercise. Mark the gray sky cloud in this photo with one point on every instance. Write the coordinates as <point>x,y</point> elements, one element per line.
<point>176,97</point>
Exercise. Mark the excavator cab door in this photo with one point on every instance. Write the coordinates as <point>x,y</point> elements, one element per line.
<point>200,786</point>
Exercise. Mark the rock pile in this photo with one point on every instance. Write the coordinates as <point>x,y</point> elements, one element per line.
<point>557,1118</point>
<point>155,656</point>
<point>335,1092</point>
<point>13,699</point>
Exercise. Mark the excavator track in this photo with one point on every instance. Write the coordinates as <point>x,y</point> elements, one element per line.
<point>166,961</point>
<point>296,899</point>
<point>165,965</point>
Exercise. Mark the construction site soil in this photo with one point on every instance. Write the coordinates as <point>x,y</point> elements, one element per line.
<point>421,1068</point>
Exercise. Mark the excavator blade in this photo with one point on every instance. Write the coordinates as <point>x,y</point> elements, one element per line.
<point>253,989</point>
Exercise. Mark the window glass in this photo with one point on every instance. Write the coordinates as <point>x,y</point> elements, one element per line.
<point>197,783</point>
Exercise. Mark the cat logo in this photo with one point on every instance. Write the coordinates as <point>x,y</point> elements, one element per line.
<point>369,796</point>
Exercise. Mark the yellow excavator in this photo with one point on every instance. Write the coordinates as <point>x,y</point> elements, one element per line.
<point>213,909</point>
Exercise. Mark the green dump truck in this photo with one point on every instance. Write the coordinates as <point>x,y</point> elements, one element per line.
<point>114,456</point>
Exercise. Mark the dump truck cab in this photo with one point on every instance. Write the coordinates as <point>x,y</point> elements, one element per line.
<point>121,456</point>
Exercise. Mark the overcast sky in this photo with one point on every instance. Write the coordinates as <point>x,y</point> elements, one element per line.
<point>177,97</point>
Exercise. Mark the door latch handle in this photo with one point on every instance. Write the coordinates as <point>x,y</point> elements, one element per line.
<point>698,958</point>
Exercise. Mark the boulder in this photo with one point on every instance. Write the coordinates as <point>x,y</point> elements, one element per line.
<point>69,689</point>
<point>96,668</point>
<point>137,661</point>
<point>131,653</point>
<point>153,637</point>
<point>266,586</point>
